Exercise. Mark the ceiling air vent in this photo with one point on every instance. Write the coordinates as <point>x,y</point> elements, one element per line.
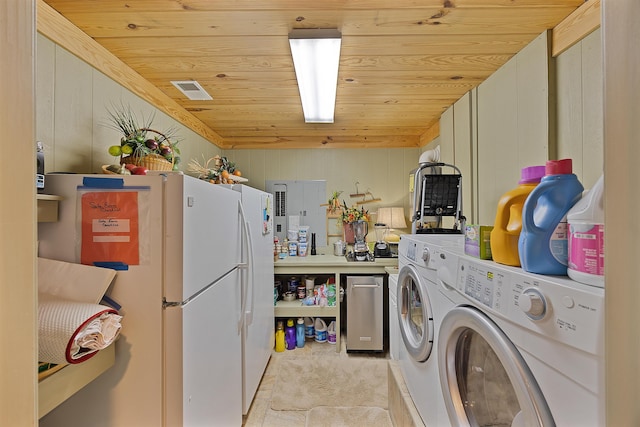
<point>192,90</point>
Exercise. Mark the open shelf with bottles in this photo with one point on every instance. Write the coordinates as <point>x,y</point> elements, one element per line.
<point>296,308</point>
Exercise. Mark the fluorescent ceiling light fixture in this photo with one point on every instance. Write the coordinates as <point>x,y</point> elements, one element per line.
<point>316,56</point>
<point>192,90</point>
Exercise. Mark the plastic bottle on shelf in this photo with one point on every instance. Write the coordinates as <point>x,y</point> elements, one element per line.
<point>309,330</point>
<point>300,332</point>
<point>543,242</point>
<point>280,344</point>
<point>321,330</point>
<point>290,335</point>
<point>331,332</point>
<point>586,237</point>
<point>508,222</point>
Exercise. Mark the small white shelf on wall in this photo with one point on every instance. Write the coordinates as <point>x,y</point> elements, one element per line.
<point>48,207</point>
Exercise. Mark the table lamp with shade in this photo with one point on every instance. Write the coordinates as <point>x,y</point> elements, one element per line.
<point>389,219</point>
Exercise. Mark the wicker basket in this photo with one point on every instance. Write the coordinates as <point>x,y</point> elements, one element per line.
<point>153,162</point>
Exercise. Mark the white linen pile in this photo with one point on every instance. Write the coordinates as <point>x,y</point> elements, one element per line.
<point>72,325</point>
<point>72,332</point>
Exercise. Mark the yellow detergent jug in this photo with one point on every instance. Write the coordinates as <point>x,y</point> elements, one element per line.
<point>280,344</point>
<point>508,223</point>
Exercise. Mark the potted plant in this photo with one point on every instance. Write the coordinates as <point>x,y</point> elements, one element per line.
<point>140,144</point>
<point>334,203</point>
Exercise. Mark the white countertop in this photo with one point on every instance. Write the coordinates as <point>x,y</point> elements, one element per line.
<point>325,258</point>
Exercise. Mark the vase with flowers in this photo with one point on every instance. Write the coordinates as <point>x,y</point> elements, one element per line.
<point>348,215</point>
<point>140,144</point>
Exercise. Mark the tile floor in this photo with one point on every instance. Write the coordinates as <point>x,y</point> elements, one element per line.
<point>401,409</point>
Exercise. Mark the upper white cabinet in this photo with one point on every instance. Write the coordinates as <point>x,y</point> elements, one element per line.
<point>502,126</point>
<point>532,109</point>
<point>515,112</point>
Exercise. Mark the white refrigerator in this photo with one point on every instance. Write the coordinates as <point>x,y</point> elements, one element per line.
<point>185,295</point>
<point>257,332</point>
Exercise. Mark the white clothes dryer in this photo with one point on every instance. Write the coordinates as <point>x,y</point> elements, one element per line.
<point>420,307</point>
<point>522,349</point>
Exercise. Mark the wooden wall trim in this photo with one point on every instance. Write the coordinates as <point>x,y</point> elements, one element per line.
<point>432,133</point>
<point>55,27</point>
<point>576,26</point>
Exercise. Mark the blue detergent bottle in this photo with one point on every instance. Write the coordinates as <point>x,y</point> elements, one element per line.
<point>543,241</point>
<point>300,332</point>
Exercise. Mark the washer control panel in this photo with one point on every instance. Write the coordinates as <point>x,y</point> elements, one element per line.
<point>483,284</point>
<point>553,306</point>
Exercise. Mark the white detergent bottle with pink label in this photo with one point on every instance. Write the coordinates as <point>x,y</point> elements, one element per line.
<point>586,237</point>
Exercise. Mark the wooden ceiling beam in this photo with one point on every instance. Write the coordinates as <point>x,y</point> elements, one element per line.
<point>305,141</point>
<point>582,22</point>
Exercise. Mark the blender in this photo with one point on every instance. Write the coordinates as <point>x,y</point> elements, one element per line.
<point>360,248</point>
<point>381,249</point>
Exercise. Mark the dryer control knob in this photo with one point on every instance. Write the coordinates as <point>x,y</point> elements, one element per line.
<point>533,304</point>
<point>426,254</point>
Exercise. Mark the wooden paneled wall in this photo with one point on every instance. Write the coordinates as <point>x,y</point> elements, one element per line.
<point>18,297</point>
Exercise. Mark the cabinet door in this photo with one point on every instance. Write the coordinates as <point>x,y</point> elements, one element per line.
<point>513,124</point>
<point>463,111</point>
<point>456,146</point>
<point>303,199</point>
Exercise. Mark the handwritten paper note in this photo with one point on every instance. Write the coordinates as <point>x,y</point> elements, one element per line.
<point>110,227</point>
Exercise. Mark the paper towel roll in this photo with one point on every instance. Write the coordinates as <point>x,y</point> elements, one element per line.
<point>72,332</point>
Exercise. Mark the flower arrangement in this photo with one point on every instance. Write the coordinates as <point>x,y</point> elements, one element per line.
<point>351,214</point>
<point>139,141</point>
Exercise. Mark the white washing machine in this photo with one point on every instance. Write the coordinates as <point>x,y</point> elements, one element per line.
<point>520,349</point>
<point>420,307</point>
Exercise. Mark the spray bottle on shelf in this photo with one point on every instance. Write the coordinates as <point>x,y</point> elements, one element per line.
<point>290,335</point>
<point>280,344</point>
<point>300,332</point>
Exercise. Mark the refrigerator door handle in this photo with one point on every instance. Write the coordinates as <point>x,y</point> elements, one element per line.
<point>251,283</point>
<point>246,316</point>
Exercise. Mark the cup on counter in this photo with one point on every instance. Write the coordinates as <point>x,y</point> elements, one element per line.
<point>302,249</point>
<point>293,248</point>
<point>303,233</point>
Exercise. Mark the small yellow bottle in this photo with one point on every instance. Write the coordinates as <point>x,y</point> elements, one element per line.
<point>280,345</point>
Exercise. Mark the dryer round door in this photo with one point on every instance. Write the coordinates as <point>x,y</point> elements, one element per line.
<point>415,317</point>
<point>485,381</point>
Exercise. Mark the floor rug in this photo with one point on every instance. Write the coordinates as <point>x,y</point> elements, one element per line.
<point>302,384</point>
<point>327,416</point>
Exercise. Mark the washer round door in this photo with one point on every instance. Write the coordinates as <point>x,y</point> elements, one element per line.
<point>485,381</point>
<point>415,317</point>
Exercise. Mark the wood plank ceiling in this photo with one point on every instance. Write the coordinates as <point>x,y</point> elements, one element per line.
<point>403,62</point>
